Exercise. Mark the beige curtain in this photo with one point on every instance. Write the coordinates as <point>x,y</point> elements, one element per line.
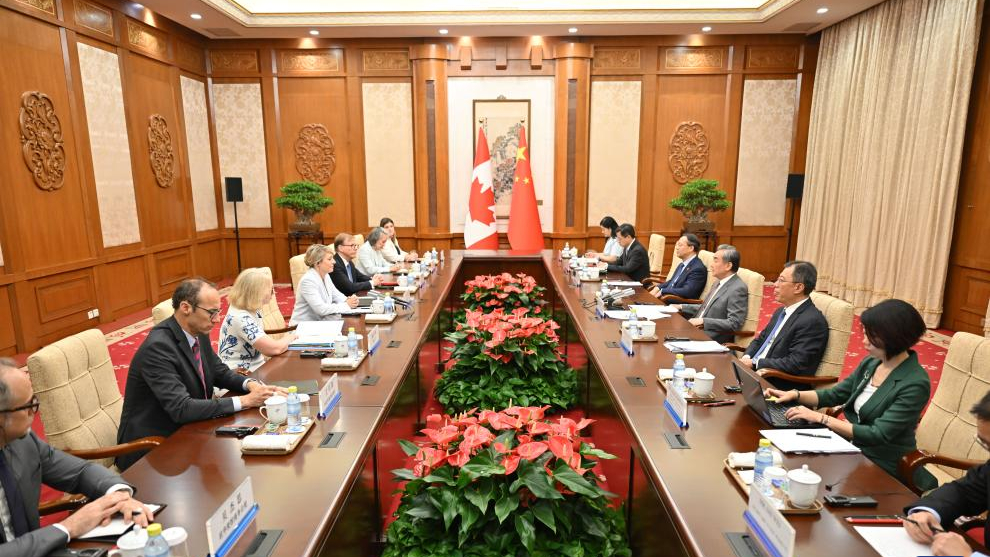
<point>888,118</point>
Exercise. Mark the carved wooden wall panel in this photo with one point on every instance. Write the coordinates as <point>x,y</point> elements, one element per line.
<point>41,140</point>
<point>772,57</point>
<point>687,58</point>
<point>617,59</point>
<point>234,61</point>
<point>147,39</point>
<point>47,6</point>
<point>94,17</point>
<point>315,157</point>
<point>688,152</point>
<point>190,56</point>
<point>302,61</point>
<point>385,60</point>
<point>160,150</point>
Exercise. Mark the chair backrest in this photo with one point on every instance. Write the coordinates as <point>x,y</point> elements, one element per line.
<point>271,314</point>
<point>358,239</point>
<point>658,245</point>
<point>707,257</point>
<point>947,427</point>
<point>297,268</point>
<point>674,262</point>
<point>839,314</point>
<point>80,399</point>
<point>754,283</point>
<point>162,311</point>
<point>986,323</point>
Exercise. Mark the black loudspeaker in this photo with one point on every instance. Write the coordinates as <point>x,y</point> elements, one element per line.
<point>235,189</point>
<point>795,186</point>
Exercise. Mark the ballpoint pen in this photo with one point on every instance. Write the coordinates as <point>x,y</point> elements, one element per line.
<point>815,435</point>
<point>934,527</point>
<point>723,402</point>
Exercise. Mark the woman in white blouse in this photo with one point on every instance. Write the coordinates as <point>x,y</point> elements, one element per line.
<point>392,252</point>
<point>370,259</point>
<point>243,342</point>
<point>612,250</point>
<point>317,298</point>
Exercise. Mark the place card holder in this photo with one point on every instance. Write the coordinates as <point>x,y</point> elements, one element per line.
<point>635,381</point>
<point>332,440</point>
<point>370,380</point>
<point>264,543</point>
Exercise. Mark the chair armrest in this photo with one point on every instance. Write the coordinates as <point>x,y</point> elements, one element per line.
<point>743,333</point>
<point>143,444</point>
<point>64,503</point>
<point>920,457</point>
<point>734,347</point>
<point>806,379</point>
<point>280,331</point>
<point>672,299</point>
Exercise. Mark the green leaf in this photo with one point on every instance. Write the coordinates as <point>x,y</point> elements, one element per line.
<point>408,447</point>
<point>449,506</point>
<point>525,529</point>
<point>587,449</point>
<point>444,474</point>
<point>544,513</point>
<point>593,525</point>
<point>573,481</point>
<point>469,515</point>
<point>480,466</point>
<point>404,474</point>
<point>535,478</point>
<point>506,505</point>
<point>480,495</point>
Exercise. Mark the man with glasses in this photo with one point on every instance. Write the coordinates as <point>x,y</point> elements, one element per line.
<point>345,276</point>
<point>173,373</point>
<point>929,517</point>
<point>26,462</point>
<point>794,340</point>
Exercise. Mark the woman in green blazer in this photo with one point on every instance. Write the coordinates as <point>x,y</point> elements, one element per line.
<point>884,397</point>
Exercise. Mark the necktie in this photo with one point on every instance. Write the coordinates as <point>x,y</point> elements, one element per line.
<point>773,334</point>
<point>677,273</point>
<point>347,267</point>
<point>199,365</point>
<point>711,296</point>
<point>18,515</point>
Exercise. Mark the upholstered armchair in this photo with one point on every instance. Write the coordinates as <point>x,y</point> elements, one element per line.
<point>272,319</point>
<point>947,445</point>
<point>754,284</point>
<point>162,311</point>
<point>297,268</point>
<point>707,258</point>
<point>656,249</point>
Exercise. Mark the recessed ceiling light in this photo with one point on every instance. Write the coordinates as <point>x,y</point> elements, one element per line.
<point>822,10</point>
<point>195,16</point>
<point>572,30</point>
<point>314,32</point>
<point>444,31</point>
<point>706,28</point>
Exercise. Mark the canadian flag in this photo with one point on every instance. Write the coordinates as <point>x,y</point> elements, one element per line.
<point>479,223</point>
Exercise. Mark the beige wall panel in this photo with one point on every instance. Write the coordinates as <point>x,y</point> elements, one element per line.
<point>388,152</point>
<point>108,142</point>
<point>613,168</point>
<point>200,153</point>
<point>765,140</point>
<point>241,150</point>
<point>461,94</point>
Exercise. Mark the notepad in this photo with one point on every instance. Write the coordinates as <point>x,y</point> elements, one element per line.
<point>891,541</point>
<point>695,347</point>
<point>116,528</point>
<point>625,283</point>
<point>789,441</point>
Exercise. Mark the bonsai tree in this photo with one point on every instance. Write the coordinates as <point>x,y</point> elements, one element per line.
<point>698,198</point>
<point>306,199</point>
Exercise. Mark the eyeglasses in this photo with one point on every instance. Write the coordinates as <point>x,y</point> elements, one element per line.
<point>348,245</point>
<point>981,442</point>
<point>31,407</point>
<point>779,279</point>
<point>213,312</point>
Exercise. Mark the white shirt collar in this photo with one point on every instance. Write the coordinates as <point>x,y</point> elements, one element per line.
<point>189,338</point>
<point>688,260</point>
<point>722,282</point>
<point>793,307</point>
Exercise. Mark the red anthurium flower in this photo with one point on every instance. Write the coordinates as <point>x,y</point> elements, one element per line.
<point>510,462</point>
<point>523,439</point>
<point>531,450</point>
<point>538,428</point>
<point>500,447</point>
<point>444,435</point>
<point>476,435</point>
<point>434,421</point>
<point>561,447</point>
<point>459,458</point>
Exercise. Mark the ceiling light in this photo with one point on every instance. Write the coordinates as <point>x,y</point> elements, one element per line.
<point>444,31</point>
<point>195,16</point>
<point>572,30</point>
<point>706,28</point>
<point>137,6</point>
<point>314,32</point>
<point>822,10</point>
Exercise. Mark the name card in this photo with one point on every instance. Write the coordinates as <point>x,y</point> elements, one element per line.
<point>230,520</point>
<point>676,405</point>
<point>600,306</point>
<point>374,339</point>
<point>626,341</point>
<point>768,526</point>
<point>329,396</point>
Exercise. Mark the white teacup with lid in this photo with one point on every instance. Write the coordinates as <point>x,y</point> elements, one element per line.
<point>802,487</point>
<point>703,383</point>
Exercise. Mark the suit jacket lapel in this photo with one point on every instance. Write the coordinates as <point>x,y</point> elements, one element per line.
<point>789,324</point>
<point>186,350</point>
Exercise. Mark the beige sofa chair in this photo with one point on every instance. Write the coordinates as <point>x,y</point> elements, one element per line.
<point>986,323</point>
<point>162,311</point>
<point>656,250</point>
<point>297,268</point>
<point>706,257</point>
<point>947,444</point>
<point>80,400</point>
<point>272,320</point>
<point>754,284</point>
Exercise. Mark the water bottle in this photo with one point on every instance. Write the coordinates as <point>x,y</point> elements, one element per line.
<point>435,257</point>
<point>604,288</point>
<point>764,459</point>
<point>633,323</point>
<point>389,304</point>
<point>352,344</point>
<point>293,408</point>
<point>441,257</point>
<point>567,249</point>
<point>156,546</point>
<point>678,383</point>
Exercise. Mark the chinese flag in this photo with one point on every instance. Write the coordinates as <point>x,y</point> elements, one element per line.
<point>479,223</point>
<point>525,232</point>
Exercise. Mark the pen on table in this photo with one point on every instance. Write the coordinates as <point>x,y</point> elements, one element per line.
<point>934,527</point>
<point>723,402</point>
<point>873,519</point>
<point>815,435</point>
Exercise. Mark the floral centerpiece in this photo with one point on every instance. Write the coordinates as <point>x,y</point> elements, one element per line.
<point>501,357</point>
<point>503,291</point>
<point>498,484</point>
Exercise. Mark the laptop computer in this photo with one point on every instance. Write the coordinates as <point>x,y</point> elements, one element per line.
<point>771,412</point>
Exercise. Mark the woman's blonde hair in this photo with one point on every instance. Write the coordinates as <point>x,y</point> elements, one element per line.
<point>250,289</point>
<point>314,254</point>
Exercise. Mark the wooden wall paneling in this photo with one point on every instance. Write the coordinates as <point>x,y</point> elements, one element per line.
<point>152,89</point>
<point>648,145</point>
<point>190,57</point>
<point>571,122</point>
<point>183,180</point>
<point>390,61</point>
<point>310,62</point>
<point>353,104</point>
<point>34,61</point>
<point>278,144</point>
<point>92,19</point>
<point>8,337</point>
<point>761,248</point>
<point>59,305</point>
<point>124,286</point>
<point>171,267</point>
<point>432,212</point>
<point>45,10</point>
<point>208,259</point>
<point>235,62</point>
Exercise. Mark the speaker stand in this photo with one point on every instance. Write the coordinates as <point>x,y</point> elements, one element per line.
<point>237,238</point>
<point>790,228</point>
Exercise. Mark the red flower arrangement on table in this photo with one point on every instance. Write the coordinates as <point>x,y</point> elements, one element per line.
<point>479,467</point>
<point>503,291</point>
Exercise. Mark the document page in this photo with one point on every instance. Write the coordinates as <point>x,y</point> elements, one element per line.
<point>116,528</point>
<point>819,440</point>
<point>892,541</point>
<point>695,347</point>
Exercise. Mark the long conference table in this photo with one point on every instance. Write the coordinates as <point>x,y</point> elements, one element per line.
<point>332,501</point>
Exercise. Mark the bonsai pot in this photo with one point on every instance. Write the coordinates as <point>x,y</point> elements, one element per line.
<point>304,223</point>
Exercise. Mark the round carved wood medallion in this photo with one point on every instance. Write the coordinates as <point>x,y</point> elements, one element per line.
<point>315,158</point>
<point>160,150</point>
<point>41,140</point>
<point>688,154</point>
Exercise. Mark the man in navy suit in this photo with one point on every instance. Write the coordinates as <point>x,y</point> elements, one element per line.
<point>690,276</point>
<point>634,261</point>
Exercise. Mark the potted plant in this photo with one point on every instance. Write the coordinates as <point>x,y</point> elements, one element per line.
<point>698,198</point>
<point>306,199</point>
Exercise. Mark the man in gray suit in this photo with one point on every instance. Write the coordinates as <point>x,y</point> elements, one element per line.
<point>727,304</point>
<point>26,462</point>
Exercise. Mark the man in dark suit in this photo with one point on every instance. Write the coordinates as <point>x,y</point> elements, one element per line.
<point>345,275</point>
<point>26,462</point>
<point>727,304</point>
<point>690,276</point>
<point>634,260</point>
<point>967,496</point>
<point>794,340</point>
<point>173,373</point>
